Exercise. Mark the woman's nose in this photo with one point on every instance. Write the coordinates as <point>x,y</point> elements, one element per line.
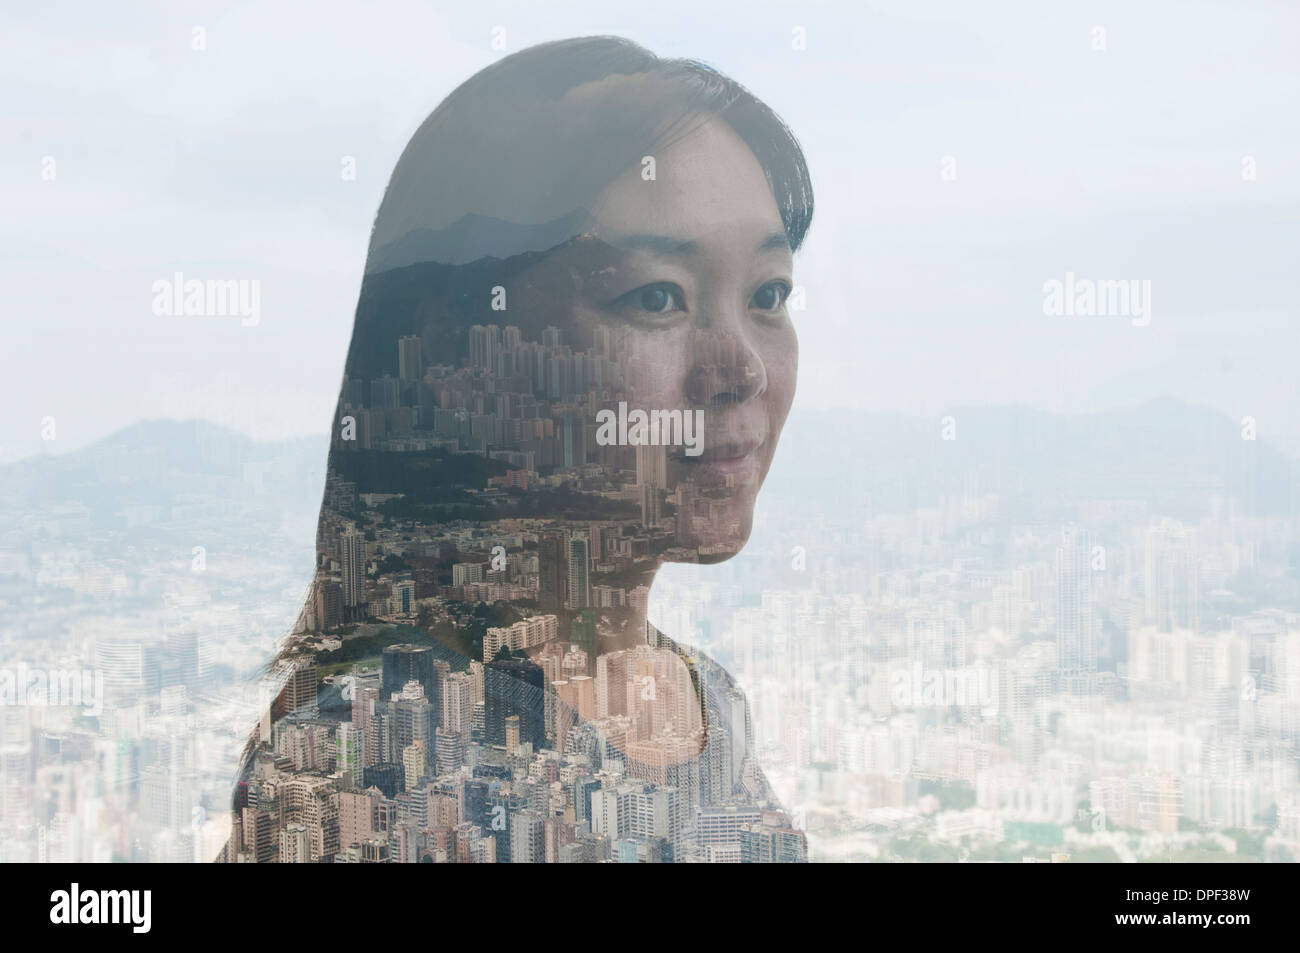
<point>725,367</point>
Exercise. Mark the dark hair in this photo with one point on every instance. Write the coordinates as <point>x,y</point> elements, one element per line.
<point>532,137</point>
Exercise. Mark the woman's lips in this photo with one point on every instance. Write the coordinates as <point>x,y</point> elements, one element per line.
<point>728,465</point>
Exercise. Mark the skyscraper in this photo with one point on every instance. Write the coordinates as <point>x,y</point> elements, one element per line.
<point>685,514</point>
<point>299,693</point>
<point>552,563</point>
<point>527,844</point>
<point>458,703</point>
<point>1075,621</point>
<point>410,359</point>
<point>579,572</point>
<point>349,755</point>
<point>484,341</point>
<point>611,684</point>
<point>352,555</point>
<point>514,686</point>
<point>651,505</point>
<point>652,465</point>
<point>405,663</point>
<point>413,726</point>
<point>1172,578</point>
<point>573,441</point>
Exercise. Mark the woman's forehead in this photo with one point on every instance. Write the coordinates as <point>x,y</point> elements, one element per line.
<point>706,181</point>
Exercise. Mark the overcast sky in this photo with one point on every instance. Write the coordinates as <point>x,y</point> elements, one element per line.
<point>924,293</point>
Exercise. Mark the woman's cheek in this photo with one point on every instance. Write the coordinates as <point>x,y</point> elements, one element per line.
<point>782,359</point>
<point>659,366</point>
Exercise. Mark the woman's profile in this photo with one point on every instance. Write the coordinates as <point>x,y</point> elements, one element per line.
<point>571,362</point>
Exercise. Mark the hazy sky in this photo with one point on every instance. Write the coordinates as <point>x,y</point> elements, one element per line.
<point>924,293</point>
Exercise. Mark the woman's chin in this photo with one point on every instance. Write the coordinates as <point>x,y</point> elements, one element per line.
<point>718,547</point>
<point>709,557</point>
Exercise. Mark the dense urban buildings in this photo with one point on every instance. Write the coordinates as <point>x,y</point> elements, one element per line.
<point>484,688</point>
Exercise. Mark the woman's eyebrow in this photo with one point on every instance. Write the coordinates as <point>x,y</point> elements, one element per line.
<point>668,245</point>
<point>777,241</point>
<point>656,244</point>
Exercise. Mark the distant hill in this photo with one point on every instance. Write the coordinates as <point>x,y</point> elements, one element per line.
<point>155,462</point>
<point>473,237</point>
<point>1173,455</point>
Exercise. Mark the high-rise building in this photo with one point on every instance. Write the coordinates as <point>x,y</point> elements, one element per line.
<point>360,816</point>
<point>774,841</point>
<point>259,834</point>
<point>652,465</point>
<point>327,603</point>
<point>410,359</point>
<point>525,634</point>
<point>364,695</point>
<point>584,695</point>
<point>402,599</point>
<point>573,441</point>
<point>352,556</point>
<point>685,514</point>
<point>579,572</point>
<point>298,696</point>
<point>1172,578</point>
<point>413,763</point>
<point>527,838</point>
<point>1076,623</point>
<point>449,750</point>
<point>405,663</point>
<point>651,505</point>
<point>385,393</point>
<point>349,753</point>
<point>552,564</point>
<point>484,341</point>
<point>466,573</point>
<point>413,726</point>
<point>514,686</point>
<point>295,845</point>
<point>611,684</point>
<point>458,703</point>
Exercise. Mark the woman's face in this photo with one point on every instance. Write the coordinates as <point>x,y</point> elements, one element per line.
<point>690,271</point>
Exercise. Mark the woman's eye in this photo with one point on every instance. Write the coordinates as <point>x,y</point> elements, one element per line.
<point>660,298</point>
<point>771,296</point>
